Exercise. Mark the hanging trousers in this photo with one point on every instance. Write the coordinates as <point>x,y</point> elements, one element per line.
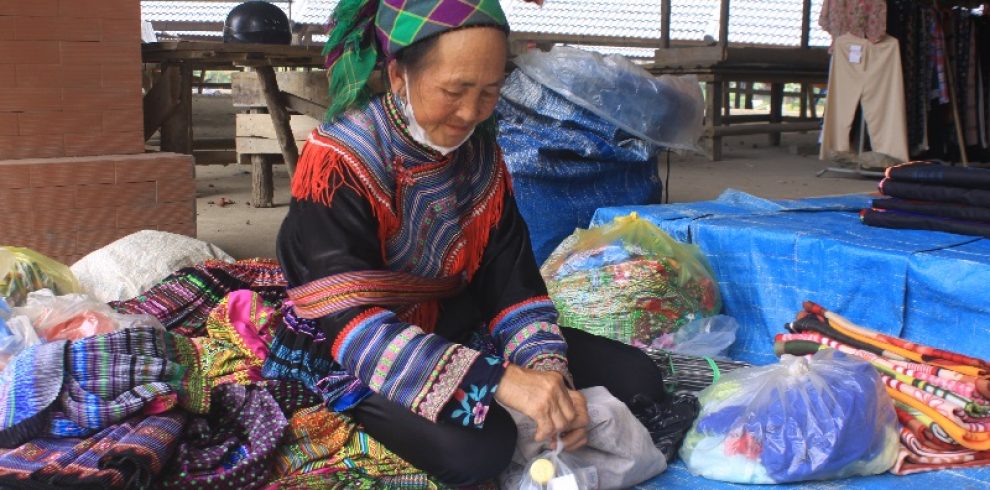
<point>461,456</point>
<point>875,82</point>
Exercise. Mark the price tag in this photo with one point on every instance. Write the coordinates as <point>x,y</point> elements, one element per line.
<point>856,53</point>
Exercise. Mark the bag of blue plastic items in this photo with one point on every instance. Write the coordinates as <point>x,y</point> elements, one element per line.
<point>580,131</point>
<point>817,417</point>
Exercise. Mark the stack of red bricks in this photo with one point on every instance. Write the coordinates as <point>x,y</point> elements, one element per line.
<point>73,172</point>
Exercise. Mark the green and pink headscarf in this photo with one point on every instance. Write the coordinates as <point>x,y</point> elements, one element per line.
<point>365,32</point>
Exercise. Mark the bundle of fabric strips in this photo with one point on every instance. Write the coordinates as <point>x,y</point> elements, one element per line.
<point>942,398</point>
<point>933,196</point>
<point>185,406</point>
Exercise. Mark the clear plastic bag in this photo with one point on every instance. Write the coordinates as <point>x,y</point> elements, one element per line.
<point>23,270</point>
<point>705,337</point>
<point>817,417</point>
<point>557,470</point>
<point>75,316</point>
<point>629,281</point>
<point>666,111</point>
<point>16,334</point>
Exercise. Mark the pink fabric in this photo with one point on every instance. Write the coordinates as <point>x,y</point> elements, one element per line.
<point>250,317</point>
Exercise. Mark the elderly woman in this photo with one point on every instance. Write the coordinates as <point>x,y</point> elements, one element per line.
<point>416,303</point>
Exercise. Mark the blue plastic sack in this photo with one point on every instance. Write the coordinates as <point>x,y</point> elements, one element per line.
<point>566,162</point>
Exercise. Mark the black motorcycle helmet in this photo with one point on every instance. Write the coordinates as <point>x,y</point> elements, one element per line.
<point>257,22</point>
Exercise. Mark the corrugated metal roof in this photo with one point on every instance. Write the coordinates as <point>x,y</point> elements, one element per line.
<point>193,11</point>
<point>767,22</point>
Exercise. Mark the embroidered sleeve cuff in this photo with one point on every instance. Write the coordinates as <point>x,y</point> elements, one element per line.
<point>402,363</point>
<point>476,393</point>
<point>527,331</point>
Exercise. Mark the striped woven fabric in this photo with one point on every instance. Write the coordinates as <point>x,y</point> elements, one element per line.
<point>339,292</point>
<point>29,387</point>
<point>126,455</point>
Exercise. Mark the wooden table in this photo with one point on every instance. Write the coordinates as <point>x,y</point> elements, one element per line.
<point>715,66</point>
<point>168,104</point>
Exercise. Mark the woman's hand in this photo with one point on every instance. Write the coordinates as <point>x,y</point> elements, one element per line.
<point>543,396</point>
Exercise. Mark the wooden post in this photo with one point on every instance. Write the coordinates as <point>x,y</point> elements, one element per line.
<point>749,94</point>
<point>177,135</point>
<point>812,103</point>
<point>665,23</point>
<point>725,99</point>
<point>262,182</point>
<point>280,117</point>
<point>737,103</point>
<point>804,100</point>
<point>713,118</point>
<point>805,23</point>
<point>723,24</point>
<point>776,110</point>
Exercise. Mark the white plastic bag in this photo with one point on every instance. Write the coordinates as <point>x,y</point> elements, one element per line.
<point>136,263</point>
<point>75,316</point>
<point>704,337</point>
<point>556,470</point>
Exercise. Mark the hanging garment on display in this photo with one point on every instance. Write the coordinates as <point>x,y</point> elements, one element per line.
<point>868,74</point>
<point>863,18</point>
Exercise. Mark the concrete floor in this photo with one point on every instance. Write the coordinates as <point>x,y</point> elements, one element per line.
<point>750,165</point>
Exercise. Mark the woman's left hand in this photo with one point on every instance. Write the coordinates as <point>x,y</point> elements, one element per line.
<point>578,437</point>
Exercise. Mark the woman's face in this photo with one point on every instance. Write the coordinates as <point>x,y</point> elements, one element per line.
<point>457,84</point>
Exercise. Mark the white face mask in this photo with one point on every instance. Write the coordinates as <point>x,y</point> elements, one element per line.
<point>418,133</point>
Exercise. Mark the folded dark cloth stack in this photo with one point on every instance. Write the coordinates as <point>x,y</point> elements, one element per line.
<point>933,196</point>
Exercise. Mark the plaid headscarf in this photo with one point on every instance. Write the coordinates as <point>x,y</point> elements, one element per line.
<point>353,50</point>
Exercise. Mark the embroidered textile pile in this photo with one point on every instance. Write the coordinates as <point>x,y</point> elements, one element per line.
<point>933,196</point>
<point>942,399</point>
<point>185,406</point>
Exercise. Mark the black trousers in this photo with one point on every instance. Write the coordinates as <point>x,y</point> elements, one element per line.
<point>463,456</point>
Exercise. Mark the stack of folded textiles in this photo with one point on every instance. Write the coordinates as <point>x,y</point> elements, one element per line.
<point>942,398</point>
<point>933,196</point>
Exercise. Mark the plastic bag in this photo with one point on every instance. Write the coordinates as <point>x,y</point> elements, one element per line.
<point>556,470</point>
<point>706,337</point>
<point>75,316</point>
<point>23,270</point>
<point>629,281</point>
<point>817,417</point>
<point>134,264</point>
<point>16,334</point>
<point>666,111</point>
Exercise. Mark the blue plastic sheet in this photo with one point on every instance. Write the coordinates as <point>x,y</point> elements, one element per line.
<point>769,256</point>
<point>566,162</point>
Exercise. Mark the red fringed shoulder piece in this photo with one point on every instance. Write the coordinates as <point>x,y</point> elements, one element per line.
<point>325,166</point>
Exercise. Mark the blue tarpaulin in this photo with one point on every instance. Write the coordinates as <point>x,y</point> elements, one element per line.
<point>770,256</point>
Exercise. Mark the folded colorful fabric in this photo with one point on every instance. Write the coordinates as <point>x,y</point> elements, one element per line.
<point>231,447</point>
<point>328,449</point>
<point>930,208</point>
<point>937,193</point>
<point>927,172</point>
<point>184,300</point>
<point>942,398</point>
<point>126,455</point>
<point>909,221</point>
<point>29,386</point>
